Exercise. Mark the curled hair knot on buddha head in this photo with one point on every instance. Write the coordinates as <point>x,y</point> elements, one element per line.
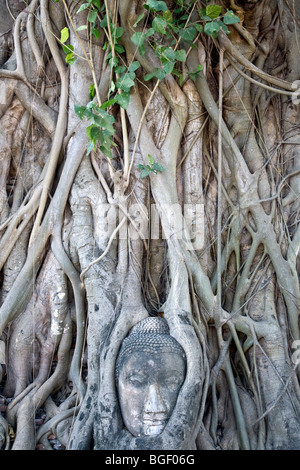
<point>151,335</point>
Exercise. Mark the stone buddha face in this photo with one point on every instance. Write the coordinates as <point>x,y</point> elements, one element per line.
<point>150,372</point>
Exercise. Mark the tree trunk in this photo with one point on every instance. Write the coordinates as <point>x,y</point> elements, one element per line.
<point>149,168</point>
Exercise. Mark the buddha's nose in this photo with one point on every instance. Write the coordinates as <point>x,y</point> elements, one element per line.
<point>154,402</point>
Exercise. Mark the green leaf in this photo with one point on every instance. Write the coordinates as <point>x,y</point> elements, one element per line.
<point>151,159</point>
<point>206,18</point>
<point>108,103</point>
<point>79,110</point>
<point>212,28</point>
<point>106,151</point>
<point>91,146</point>
<point>176,73</point>
<point>82,27</point>
<point>159,25</point>
<point>83,7</point>
<point>119,32</point>
<point>96,32</point>
<point>97,3</point>
<point>157,167</point>
<point>132,75</point>
<point>198,27</point>
<point>83,111</point>
<point>168,55</point>
<point>119,48</point>
<point>92,91</point>
<point>188,34</point>
<point>155,5</point>
<point>67,48</point>
<point>134,66</point>
<point>223,26</point>
<point>140,17</point>
<point>153,167</point>
<point>213,11</point>
<point>88,113</point>
<point>95,133</point>
<point>159,73</point>
<point>168,17</point>
<point>120,69</point>
<point>103,23</point>
<point>123,99</point>
<point>105,146</point>
<point>89,131</point>
<point>194,74</point>
<point>168,67</point>
<point>180,55</point>
<point>64,35</point>
<point>70,58</point>
<point>125,83</point>
<point>148,76</point>
<point>92,105</point>
<point>112,87</point>
<point>105,120</point>
<point>144,173</point>
<point>92,16</point>
<point>113,62</point>
<point>230,17</point>
<point>138,39</point>
<point>150,32</point>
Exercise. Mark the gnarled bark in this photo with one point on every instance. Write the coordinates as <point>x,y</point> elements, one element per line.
<point>83,257</point>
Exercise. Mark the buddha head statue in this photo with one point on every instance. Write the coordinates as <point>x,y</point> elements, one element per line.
<point>150,371</point>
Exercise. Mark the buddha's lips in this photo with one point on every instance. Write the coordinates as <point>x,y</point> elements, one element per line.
<point>155,421</point>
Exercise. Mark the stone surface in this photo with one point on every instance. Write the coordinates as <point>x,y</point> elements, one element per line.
<point>150,372</point>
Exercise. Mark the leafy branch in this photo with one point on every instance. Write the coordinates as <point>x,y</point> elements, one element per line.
<point>166,26</point>
<point>153,167</point>
<point>167,31</point>
<point>101,128</point>
<point>216,21</point>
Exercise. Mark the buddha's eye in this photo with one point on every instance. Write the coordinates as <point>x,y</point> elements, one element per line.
<point>136,380</point>
<point>172,382</point>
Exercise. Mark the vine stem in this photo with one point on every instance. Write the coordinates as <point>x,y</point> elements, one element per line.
<point>112,237</point>
<point>61,121</point>
<point>19,73</point>
<point>260,84</point>
<point>90,63</point>
<point>227,368</point>
<point>122,111</point>
<point>139,130</point>
<point>32,39</point>
<point>219,209</point>
<point>227,44</point>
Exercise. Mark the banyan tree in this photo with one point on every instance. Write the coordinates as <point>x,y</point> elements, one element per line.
<point>150,169</point>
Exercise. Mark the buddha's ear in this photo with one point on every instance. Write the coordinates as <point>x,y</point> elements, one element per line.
<point>109,419</point>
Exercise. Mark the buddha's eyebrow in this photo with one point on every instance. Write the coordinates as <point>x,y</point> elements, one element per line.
<point>172,373</point>
<point>140,372</point>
